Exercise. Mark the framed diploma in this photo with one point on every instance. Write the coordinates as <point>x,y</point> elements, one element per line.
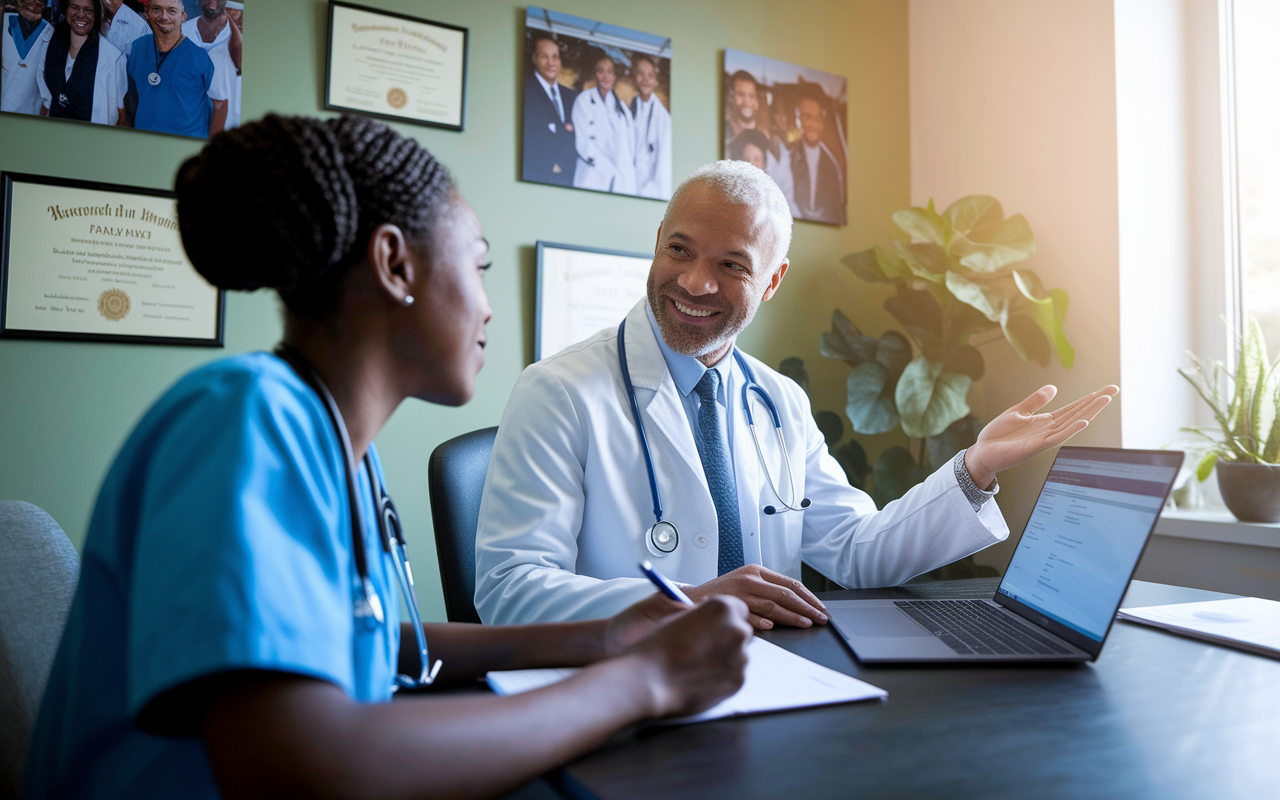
<point>99,262</point>
<point>397,67</point>
<point>584,289</point>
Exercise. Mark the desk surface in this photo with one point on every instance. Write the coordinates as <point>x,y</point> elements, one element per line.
<point>1156,716</point>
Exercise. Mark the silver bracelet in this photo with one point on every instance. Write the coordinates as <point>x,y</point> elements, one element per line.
<point>977,497</point>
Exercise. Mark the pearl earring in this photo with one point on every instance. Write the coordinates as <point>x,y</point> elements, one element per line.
<point>408,300</point>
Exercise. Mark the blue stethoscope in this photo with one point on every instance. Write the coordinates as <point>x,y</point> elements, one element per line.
<point>663,537</point>
<point>367,606</point>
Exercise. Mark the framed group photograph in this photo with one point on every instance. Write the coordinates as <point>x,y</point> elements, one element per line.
<point>597,106</point>
<point>583,289</point>
<point>169,66</point>
<point>99,262</point>
<point>396,67</point>
<point>791,122</point>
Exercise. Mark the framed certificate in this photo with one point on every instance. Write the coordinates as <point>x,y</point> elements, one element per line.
<point>584,289</point>
<point>397,67</point>
<point>95,261</point>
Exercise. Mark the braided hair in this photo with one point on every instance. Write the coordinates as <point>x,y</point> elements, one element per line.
<point>309,193</point>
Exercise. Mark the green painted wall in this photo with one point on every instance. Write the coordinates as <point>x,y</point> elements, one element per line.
<point>65,408</point>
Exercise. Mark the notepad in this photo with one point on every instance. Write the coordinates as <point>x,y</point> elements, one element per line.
<point>776,680</point>
<point>1247,623</point>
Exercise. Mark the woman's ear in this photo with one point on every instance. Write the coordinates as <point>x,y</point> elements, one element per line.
<point>392,263</point>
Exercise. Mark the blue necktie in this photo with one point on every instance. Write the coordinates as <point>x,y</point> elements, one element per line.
<point>714,450</point>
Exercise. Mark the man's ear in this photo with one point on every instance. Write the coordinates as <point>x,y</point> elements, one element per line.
<point>772,288</point>
<point>393,267</point>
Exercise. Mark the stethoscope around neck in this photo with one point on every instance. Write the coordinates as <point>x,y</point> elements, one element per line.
<point>367,607</point>
<point>663,537</point>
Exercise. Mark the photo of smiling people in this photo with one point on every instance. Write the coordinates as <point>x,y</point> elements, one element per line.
<point>597,106</point>
<point>790,121</point>
<point>172,66</point>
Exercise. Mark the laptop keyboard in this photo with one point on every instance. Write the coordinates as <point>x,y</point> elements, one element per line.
<point>974,627</point>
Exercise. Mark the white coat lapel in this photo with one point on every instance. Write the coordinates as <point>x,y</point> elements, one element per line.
<point>665,423</point>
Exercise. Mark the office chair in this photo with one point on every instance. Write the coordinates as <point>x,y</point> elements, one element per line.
<point>455,480</point>
<point>38,573</point>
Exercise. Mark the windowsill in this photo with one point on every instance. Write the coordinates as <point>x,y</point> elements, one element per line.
<point>1217,525</point>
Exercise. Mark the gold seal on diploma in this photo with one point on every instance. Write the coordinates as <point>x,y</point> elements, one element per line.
<point>396,98</point>
<point>113,304</point>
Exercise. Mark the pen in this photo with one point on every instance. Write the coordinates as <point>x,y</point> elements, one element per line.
<point>665,586</point>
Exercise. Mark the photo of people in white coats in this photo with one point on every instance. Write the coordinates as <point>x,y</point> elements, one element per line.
<point>597,108</point>
<point>792,122</point>
<point>172,66</point>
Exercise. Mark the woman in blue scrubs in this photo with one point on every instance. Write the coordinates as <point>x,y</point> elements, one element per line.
<point>213,647</point>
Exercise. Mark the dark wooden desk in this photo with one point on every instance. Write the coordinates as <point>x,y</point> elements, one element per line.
<point>1157,716</point>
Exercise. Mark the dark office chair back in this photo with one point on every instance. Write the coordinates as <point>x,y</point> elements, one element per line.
<point>38,572</point>
<point>455,479</point>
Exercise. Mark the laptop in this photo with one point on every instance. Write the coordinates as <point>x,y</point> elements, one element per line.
<point>1060,594</point>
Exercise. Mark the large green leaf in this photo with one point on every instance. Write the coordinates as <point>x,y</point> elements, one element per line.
<point>929,399</point>
<point>1027,339</point>
<point>991,304</point>
<point>865,265</point>
<point>922,225</point>
<point>916,308</point>
<point>895,473</point>
<point>845,342</point>
<point>926,261</point>
<point>983,240</point>
<point>962,358</point>
<point>1048,312</point>
<point>893,353</point>
<point>870,399</point>
<point>831,425</point>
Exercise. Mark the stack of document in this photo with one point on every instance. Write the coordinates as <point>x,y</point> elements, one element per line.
<point>1247,623</point>
<point>776,680</point>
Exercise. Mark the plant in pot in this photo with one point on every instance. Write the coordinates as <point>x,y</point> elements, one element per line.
<point>1244,448</point>
<point>954,279</point>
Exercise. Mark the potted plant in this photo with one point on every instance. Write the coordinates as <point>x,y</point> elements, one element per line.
<point>1245,446</point>
<point>956,275</point>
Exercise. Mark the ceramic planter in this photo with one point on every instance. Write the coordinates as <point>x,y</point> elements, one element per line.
<point>1251,491</point>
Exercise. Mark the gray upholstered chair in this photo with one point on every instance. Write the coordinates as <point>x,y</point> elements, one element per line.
<point>38,572</point>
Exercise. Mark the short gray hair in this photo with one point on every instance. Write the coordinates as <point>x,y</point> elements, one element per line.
<point>743,183</point>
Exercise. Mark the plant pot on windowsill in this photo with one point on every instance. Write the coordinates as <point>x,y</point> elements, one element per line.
<point>1250,490</point>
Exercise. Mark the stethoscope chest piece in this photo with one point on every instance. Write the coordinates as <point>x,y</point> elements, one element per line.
<point>662,539</point>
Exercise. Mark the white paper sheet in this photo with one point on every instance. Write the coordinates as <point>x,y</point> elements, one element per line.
<point>1248,623</point>
<point>776,680</point>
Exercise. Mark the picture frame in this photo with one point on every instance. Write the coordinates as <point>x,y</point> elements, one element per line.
<point>88,261</point>
<point>396,67</point>
<point>581,290</point>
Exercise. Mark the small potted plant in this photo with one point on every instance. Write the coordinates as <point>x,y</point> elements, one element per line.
<point>1245,445</point>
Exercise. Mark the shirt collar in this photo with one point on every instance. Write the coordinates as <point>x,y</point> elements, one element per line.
<point>686,371</point>
<point>546,86</point>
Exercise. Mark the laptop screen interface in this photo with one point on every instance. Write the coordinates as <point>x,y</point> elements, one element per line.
<point>1086,534</point>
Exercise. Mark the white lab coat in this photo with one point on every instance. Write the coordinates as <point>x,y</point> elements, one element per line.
<point>603,135</point>
<point>652,123</point>
<point>127,26</point>
<point>110,83</point>
<point>224,69</point>
<point>566,504</point>
<point>19,91</point>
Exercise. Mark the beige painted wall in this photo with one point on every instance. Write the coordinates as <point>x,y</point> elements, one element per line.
<point>1017,99</point>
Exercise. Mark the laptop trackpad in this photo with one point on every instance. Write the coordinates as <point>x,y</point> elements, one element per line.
<point>878,622</point>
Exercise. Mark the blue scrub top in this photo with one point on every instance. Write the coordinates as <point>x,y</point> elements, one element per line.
<point>221,540</point>
<point>180,104</point>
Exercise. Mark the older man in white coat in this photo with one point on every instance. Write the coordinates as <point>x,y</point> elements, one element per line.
<point>122,25</point>
<point>568,506</point>
<point>26,37</point>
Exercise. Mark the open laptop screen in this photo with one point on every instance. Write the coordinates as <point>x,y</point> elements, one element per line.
<point>1086,534</point>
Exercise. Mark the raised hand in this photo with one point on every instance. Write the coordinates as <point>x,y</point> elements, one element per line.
<point>771,598</point>
<point>698,657</point>
<point>1020,433</point>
